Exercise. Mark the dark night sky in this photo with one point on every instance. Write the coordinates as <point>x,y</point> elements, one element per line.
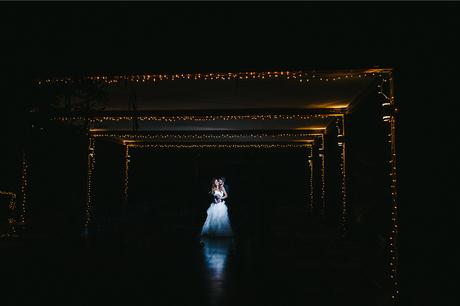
<point>418,40</point>
<point>90,38</point>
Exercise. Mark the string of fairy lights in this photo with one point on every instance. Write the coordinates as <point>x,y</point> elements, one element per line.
<point>91,165</point>
<point>197,118</point>
<point>320,138</point>
<point>343,191</point>
<point>323,172</point>
<point>323,184</point>
<point>126,172</point>
<point>24,183</point>
<point>310,164</point>
<point>340,125</point>
<point>394,212</point>
<point>301,77</point>
<point>201,136</point>
<point>217,146</point>
<point>11,210</point>
<point>389,118</point>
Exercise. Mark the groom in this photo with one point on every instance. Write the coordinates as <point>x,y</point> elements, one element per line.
<point>222,180</point>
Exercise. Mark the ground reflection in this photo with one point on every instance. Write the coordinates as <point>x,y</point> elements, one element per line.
<point>216,254</point>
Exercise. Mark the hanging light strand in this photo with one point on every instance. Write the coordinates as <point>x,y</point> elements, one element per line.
<point>340,125</point>
<point>91,166</point>
<point>126,173</point>
<point>300,77</point>
<point>310,164</point>
<point>386,89</point>
<point>24,183</point>
<point>323,184</point>
<point>201,136</point>
<point>218,146</point>
<point>199,118</point>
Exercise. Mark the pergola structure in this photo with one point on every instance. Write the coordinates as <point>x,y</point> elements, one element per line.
<point>256,110</point>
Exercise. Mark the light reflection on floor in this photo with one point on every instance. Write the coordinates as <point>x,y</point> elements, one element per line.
<point>216,253</point>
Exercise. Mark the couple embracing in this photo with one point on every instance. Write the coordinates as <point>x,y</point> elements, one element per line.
<point>217,222</point>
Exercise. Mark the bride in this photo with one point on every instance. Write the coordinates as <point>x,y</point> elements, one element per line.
<point>217,223</point>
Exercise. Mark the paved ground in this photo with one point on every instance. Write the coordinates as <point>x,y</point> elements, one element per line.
<point>175,267</point>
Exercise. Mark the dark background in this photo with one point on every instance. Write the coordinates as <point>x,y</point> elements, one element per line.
<point>177,183</point>
<point>418,40</point>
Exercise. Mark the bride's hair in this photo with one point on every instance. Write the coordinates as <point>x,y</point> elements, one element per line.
<point>215,186</point>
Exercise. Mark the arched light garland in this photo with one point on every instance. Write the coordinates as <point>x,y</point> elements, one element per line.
<point>389,117</point>
<point>126,172</point>
<point>12,210</point>
<point>200,118</point>
<point>24,182</point>
<point>91,165</point>
<point>302,77</point>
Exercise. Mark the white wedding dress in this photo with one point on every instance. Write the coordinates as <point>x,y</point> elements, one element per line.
<point>217,223</point>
